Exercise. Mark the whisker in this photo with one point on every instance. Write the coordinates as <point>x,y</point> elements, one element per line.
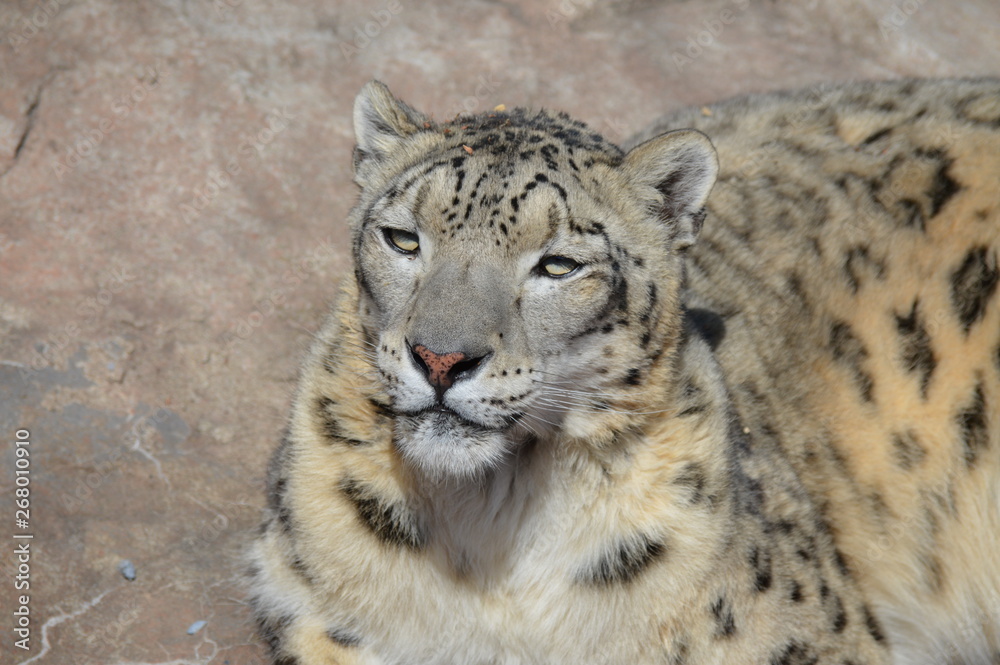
<point>597,407</point>
<point>540,419</point>
<point>554,386</point>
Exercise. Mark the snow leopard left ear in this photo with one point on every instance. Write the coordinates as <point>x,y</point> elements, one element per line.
<point>381,124</point>
<point>681,166</point>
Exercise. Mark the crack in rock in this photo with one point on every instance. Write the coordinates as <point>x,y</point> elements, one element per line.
<point>28,126</point>
<point>30,113</point>
<point>56,620</point>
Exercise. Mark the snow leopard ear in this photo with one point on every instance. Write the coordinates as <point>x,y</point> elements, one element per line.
<point>381,124</point>
<point>681,166</point>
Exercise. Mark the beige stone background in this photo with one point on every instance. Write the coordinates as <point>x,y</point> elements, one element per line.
<point>174,178</point>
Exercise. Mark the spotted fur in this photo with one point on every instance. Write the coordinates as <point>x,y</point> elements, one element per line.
<point>573,409</point>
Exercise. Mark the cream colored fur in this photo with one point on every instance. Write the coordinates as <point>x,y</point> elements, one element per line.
<point>769,435</point>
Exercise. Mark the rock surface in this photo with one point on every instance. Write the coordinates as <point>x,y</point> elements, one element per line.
<point>174,178</point>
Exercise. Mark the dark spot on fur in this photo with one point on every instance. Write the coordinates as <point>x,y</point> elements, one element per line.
<point>973,284</point>
<point>934,572</point>
<point>872,625</point>
<point>343,637</point>
<point>849,350</point>
<point>760,562</point>
<point>748,492</point>
<point>838,615</point>
<point>277,483</point>
<point>710,326</point>
<point>943,187</point>
<point>725,623</point>
<point>693,410</point>
<point>907,450</point>
<point>272,630</point>
<point>915,347</point>
<point>300,568</point>
<point>617,298</point>
<point>970,109</point>
<point>798,291</point>
<point>859,266</point>
<point>692,478</point>
<point>633,377</point>
<point>679,652</point>
<point>911,214</point>
<point>625,561</point>
<point>875,136</point>
<point>879,507</point>
<point>838,558</point>
<point>381,409</point>
<point>795,594</point>
<point>972,423</point>
<point>652,297</point>
<point>783,527</point>
<point>392,523</point>
<point>276,501</point>
<point>795,653</point>
<point>329,424</point>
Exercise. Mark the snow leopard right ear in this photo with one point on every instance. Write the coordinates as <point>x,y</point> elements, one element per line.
<point>381,124</point>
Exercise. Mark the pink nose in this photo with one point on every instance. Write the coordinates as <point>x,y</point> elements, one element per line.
<point>439,365</point>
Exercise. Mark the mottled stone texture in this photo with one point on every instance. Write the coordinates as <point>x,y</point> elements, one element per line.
<point>174,178</point>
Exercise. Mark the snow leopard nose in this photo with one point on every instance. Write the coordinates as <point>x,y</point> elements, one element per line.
<point>443,369</point>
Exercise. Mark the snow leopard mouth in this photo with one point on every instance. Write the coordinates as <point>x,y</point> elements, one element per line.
<point>446,421</point>
<point>441,416</point>
<point>442,443</point>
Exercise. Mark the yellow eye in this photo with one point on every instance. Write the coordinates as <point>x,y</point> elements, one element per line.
<point>403,241</point>
<point>557,266</point>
